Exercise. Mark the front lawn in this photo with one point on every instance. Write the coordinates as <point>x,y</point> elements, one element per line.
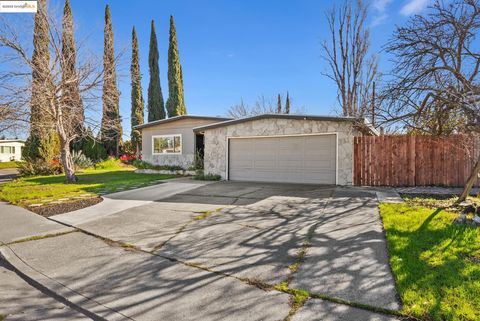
<point>435,261</point>
<point>37,190</point>
<point>4,165</point>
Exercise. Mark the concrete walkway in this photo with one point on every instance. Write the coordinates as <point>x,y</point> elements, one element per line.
<point>22,301</point>
<point>116,284</point>
<point>121,201</point>
<point>17,223</point>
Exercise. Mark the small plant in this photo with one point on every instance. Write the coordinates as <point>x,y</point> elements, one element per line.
<point>202,176</point>
<point>197,161</point>
<point>144,165</point>
<point>40,167</point>
<point>110,163</point>
<point>80,160</point>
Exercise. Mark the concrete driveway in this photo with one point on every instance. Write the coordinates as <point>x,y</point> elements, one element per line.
<point>7,174</point>
<point>216,252</point>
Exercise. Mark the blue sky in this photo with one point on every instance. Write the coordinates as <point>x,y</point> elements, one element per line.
<point>235,49</point>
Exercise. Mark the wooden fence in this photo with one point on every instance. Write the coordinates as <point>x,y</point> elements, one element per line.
<point>414,160</point>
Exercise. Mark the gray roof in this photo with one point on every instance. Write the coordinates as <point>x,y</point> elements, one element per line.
<point>280,116</point>
<point>11,140</point>
<point>172,119</point>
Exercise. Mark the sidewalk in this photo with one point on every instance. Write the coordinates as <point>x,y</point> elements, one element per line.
<point>17,223</point>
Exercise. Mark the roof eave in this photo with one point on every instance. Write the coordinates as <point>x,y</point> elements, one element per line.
<point>281,116</point>
<point>176,118</point>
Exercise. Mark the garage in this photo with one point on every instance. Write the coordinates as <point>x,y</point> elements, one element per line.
<point>283,148</point>
<point>308,159</point>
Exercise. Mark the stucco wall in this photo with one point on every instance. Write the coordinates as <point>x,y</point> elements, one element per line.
<point>183,127</point>
<point>216,141</point>
<point>6,157</point>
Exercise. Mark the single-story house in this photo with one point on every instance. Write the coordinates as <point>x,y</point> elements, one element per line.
<point>172,141</point>
<point>266,148</point>
<point>11,149</point>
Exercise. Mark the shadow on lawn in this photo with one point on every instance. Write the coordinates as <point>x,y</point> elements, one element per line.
<point>434,264</point>
<point>96,177</point>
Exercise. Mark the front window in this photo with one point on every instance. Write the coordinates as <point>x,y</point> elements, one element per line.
<point>7,149</point>
<point>167,144</point>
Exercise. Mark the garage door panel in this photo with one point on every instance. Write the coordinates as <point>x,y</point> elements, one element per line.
<point>295,159</point>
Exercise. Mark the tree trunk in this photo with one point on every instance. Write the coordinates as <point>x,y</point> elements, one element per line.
<point>471,180</point>
<point>137,150</point>
<point>67,162</point>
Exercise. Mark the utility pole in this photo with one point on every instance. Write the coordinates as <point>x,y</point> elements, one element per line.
<point>373,105</point>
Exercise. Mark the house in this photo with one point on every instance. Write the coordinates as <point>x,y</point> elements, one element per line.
<point>11,149</point>
<point>267,148</point>
<point>172,141</point>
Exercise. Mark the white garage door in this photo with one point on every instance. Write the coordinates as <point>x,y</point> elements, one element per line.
<point>290,159</point>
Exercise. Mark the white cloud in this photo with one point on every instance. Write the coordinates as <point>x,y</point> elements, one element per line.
<point>378,20</point>
<point>413,7</point>
<point>380,5</point>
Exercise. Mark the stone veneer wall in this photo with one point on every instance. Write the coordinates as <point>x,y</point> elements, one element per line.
<point>183,160</point>
<point>215,161</point>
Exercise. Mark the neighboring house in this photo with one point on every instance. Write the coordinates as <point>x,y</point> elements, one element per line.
<point>266,148</point>
<point>11,149</point>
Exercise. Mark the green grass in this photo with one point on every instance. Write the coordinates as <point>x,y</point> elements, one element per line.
<point>436,262</point>
<point>110,164</point>
<point>30,190</point>
<point>207,177</point>
<point>4,165</point>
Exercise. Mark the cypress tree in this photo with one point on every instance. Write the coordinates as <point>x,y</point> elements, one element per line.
<point>287,104</point>
<point>111,130</point>
<point>41,124</point>
<point>279,105</point>
<point>71,98</point>
<point>156,108</point>
<point>175,102</point>
<point>137,99</point>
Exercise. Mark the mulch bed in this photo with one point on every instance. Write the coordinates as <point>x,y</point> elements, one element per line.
<point>54,209</point>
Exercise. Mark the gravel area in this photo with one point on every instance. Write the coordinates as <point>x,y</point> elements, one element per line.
<point>54,209</point>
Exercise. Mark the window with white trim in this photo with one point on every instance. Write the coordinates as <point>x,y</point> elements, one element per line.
<point>7,149</point>
<point>167,144</point>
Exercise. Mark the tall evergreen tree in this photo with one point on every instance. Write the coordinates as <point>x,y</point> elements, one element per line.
<point>41,124</point>
<point>279,104</point>
<point>287,104</point>
<point>71,98</point>
<point>156,108</point>
<point>175,102</point>
<point>137,98</point>
<point>111,130</point>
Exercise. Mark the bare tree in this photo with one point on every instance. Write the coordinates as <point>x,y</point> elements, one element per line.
<point>349,63</point>
<point>263,105</point>
<point>60,107</point>
<point>436,87</point>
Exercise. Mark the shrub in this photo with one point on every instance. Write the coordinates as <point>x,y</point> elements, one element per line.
<point>40,167</point>
<point>127,158</point>
<point>91,148</point>
<point>110,163</point>
<point>144,165</point>
<point>201,176</point>
<point>46,148</point>
<point>127,148</point>
<point>80,160</point>
<point>197,161</point>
